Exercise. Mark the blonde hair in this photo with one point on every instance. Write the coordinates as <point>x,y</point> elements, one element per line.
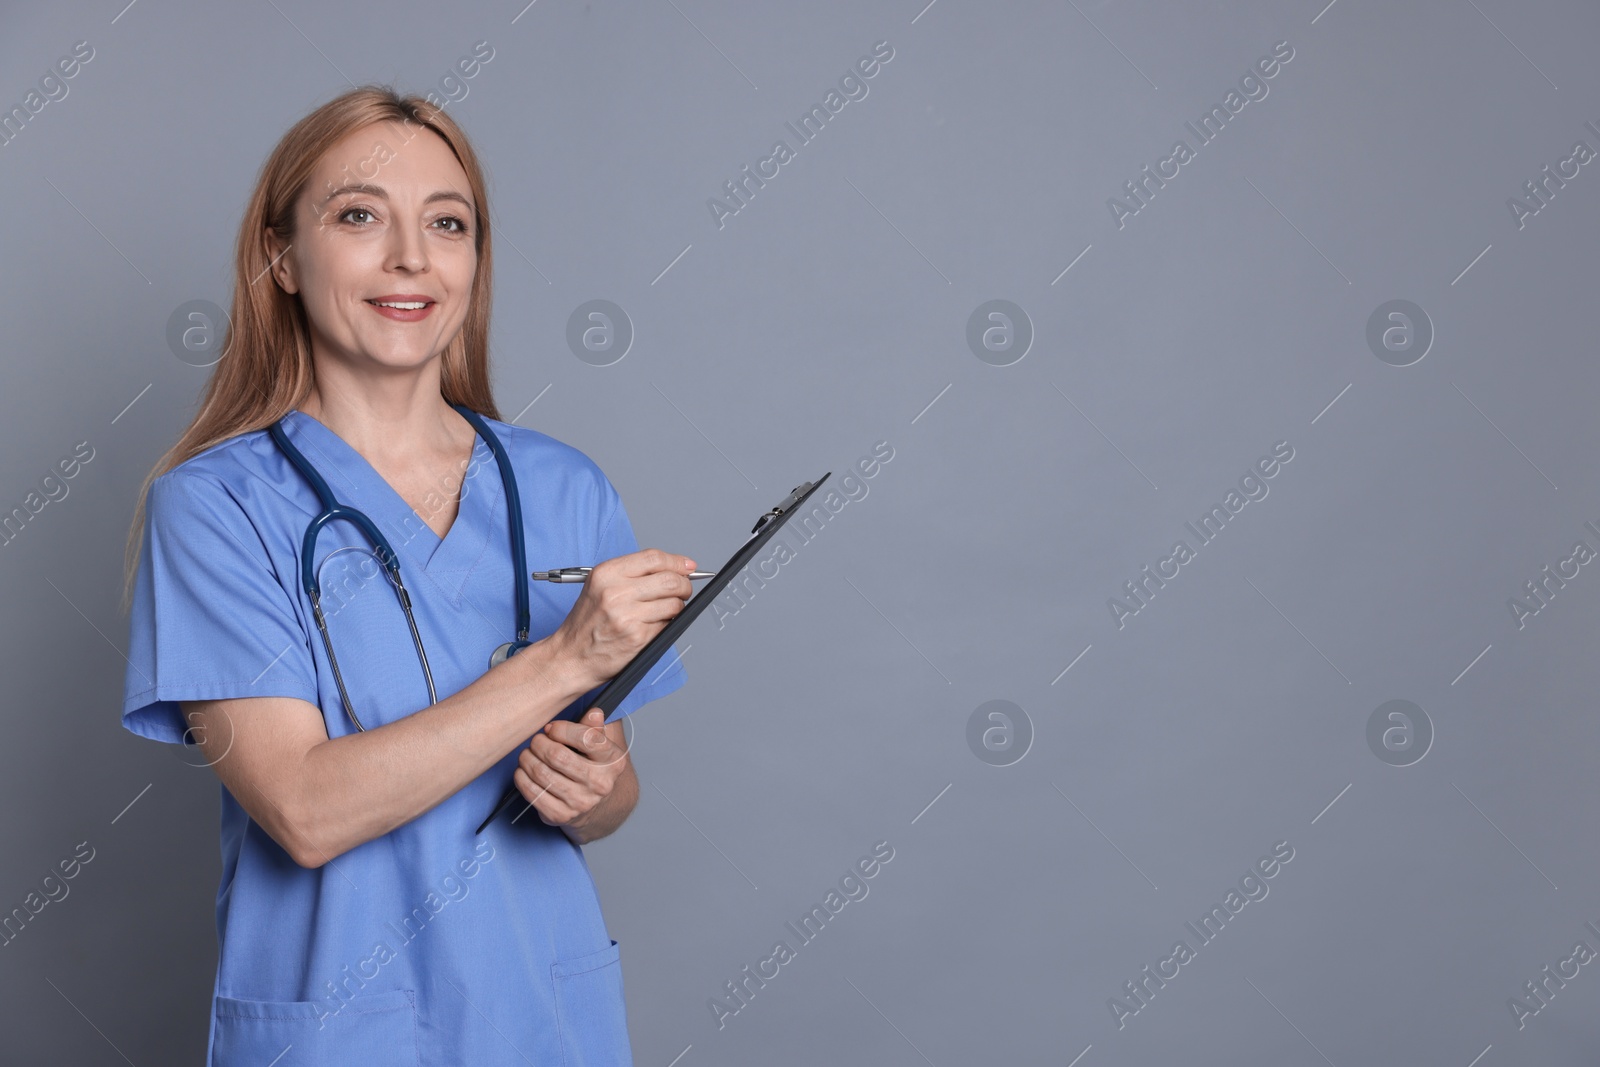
<point>266,368</point>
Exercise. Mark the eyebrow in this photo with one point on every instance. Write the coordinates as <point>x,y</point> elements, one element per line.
<point>379,192</point>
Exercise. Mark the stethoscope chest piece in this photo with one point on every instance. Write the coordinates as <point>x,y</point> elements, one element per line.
<point>506,651</point>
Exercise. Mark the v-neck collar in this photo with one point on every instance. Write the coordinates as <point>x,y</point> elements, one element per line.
<point>356,483</point>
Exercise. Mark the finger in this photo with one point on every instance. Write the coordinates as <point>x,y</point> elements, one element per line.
<point>668,597</point>
<point>656,612</point>
<point>666,585</point>
<point>587,736</point>
<point>551,779</point>
<point>559,797</point>
<point>658,595</point>
<point>544,754</point>
<point>543,805</point>
<point>600,748</point>
<point>593,737</point>
<point>530,790</point>
<point>648,561</point>
<point>558,758</point>
<point>552,810</point>
<point>614,754</point>
<point>609,748</point>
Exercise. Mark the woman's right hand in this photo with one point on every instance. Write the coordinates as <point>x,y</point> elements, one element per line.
<point>625,603</point>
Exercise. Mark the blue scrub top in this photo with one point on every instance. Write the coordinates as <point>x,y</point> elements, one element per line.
<point>428,945</point>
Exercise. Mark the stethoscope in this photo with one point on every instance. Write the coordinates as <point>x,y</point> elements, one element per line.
<point>332,510</point>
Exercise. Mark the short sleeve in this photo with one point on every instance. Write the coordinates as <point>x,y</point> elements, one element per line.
<point>209,618</point>
<point>617,539</point>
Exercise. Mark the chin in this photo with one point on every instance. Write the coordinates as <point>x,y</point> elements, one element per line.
<point>393,359</point>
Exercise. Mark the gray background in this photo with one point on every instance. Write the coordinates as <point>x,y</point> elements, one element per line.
<point>829,314</point>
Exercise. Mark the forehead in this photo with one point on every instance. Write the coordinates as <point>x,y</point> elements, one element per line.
<point>403,160</point>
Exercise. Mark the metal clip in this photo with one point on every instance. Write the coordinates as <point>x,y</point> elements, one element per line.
<point>783,506</point>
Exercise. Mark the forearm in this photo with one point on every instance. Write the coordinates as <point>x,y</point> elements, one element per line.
<point>352,789</point>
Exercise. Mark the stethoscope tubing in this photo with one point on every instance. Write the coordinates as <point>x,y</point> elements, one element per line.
<point>333,511</point>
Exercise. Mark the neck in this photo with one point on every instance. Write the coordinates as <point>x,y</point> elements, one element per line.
<point>397,420</point>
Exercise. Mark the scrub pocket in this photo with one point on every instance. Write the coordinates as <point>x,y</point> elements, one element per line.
<point>379,1029</point>
<point>589,1010</point>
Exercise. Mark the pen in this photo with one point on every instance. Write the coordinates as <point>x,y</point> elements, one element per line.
<point>578,574</point>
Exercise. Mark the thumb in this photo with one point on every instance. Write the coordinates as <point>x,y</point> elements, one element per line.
<point>593,737</point>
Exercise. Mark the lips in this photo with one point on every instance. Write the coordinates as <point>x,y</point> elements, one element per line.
<point>402,307</point>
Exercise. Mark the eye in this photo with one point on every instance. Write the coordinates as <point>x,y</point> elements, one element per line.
<point>351,211</point>
<point>458,225</point>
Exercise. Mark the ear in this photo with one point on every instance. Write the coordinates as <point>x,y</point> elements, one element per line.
<point>282,267</point>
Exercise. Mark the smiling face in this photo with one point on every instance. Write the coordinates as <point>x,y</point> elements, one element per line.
<point>382,221</point>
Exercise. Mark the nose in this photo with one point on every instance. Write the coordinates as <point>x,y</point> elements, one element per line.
<point>406,249</point>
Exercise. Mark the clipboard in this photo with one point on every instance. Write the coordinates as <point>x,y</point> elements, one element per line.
<point>631,675</point>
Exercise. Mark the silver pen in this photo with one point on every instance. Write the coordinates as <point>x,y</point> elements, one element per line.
<point>578,574</point>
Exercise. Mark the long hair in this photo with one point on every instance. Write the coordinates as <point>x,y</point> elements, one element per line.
<point>266,370</point>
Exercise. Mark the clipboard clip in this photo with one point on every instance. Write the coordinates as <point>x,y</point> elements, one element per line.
<point>783,507</point>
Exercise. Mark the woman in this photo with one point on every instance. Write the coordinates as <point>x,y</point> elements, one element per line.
<point>360,918</point>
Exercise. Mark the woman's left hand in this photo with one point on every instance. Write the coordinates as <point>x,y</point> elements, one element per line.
<point>577,774</point>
